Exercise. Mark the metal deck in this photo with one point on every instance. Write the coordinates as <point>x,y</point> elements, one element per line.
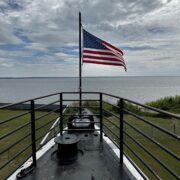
<point>96,160</point>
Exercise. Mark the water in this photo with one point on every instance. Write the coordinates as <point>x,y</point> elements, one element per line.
<point>141,89</point>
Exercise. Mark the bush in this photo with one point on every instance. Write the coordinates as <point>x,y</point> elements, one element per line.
<point>169,103</point>
<point>131,107</point>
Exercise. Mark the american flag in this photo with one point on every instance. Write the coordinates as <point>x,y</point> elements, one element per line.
<point>98,51</point>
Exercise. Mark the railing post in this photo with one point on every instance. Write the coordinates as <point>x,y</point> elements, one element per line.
<point>33,131</point>
<point>101,117</point>
<point>121,131</point>
<point>61,113</point>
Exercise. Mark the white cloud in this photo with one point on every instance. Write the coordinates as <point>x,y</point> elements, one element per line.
<point>6,33</point>
<point>149,32</point>
<point>36,46</point>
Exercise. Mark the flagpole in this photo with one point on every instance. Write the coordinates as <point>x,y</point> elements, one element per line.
<point>80,84</point>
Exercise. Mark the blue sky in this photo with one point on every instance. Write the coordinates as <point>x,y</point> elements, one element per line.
<point>40,37</point>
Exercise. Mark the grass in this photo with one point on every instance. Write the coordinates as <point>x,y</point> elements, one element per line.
<point>10,126</point>
<point>167,141</point>
<point>169,103</point>
<point>171,125</point>
<point>6,142</point>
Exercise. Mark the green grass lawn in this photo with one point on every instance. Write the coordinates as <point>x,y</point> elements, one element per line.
<point>169,142</point>
<point>6,142</point>
<point>171,125</point>
<point>11,125</point>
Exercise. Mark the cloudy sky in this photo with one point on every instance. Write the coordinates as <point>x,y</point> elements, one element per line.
<point>40,37</point>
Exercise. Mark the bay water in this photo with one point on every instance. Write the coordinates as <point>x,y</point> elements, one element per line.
<point>140,89</point>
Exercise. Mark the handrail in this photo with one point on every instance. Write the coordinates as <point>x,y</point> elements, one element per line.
<point>81,114</point>
<point>153,156</point>
<point>117,97</point>
<point>44,125</point>
<point>114,124</point>
<point>114,115</point>
<point>154,141</point>
<point>23,102</point>
<point>111,104</point>
<point>111,131</point>
<point>18,141</point>
<point>136,167</point>
<point>141,160</point>
<point>83,92</point>
<point>46,105</point>
<point>82,107</point>
<point>80,100</point>
<point>146,106</point>
<point>44,115</point>
<point>14,157</point>
<point>14,117</point>
<point>15,130</point>
<point>118,122</point>
<point>152,124</point>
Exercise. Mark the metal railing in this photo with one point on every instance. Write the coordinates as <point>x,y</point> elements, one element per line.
<point>120,124</point>
<point>142,117</point>
<point>21,133</point>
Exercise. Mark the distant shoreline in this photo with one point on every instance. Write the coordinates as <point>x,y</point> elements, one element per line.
<point>27,107</point>
<point>78,77</point>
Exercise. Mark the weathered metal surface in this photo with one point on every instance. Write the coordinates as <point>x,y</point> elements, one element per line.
<point>96,161</point>
<point>67,148</point>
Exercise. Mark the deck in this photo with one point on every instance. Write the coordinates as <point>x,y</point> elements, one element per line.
<point>96,160</point>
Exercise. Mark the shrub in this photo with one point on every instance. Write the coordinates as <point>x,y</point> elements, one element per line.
<point>169,103</point>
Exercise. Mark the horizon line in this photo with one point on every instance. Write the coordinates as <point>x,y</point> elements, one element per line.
<point>31,77</point>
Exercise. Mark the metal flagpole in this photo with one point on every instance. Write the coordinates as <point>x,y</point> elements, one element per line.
<point>80,90</point>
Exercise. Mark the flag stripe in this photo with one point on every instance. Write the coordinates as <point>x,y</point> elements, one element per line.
<point>95,49</point>
<point>104,63</point>
<point>113,47</point>
<point>102,57</point>
<point>99,52</point>
<point>99,55</point>
<point>108,53</point>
